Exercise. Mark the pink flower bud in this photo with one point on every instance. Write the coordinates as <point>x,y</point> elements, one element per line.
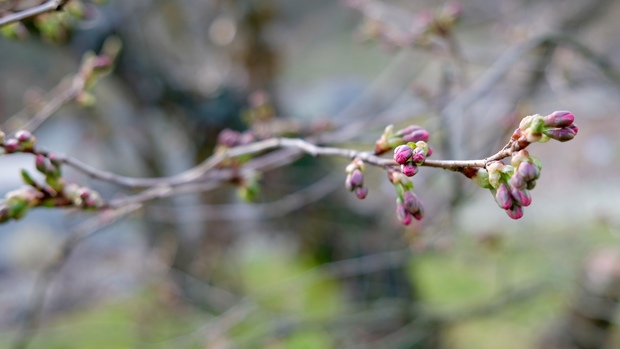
<point>409,129</point>
<point>228,138</point>
<point>521,197</point>
<point>559,119</point>
<point>11,145</point>
<point>23,135</point>
<point>361,192</point>
<point>515,212</point>
<point>402,153</point>
<point>430,152</point>
<point>528,171</point>
<point>409,169</point>
<point>411,202</point>
<point>561,134</point>
<point>418,156</point>
<point>517,181</point>
<point>357,178</point>
<point>403,215</point>
<point>503,197</point>
<point>40,163</point>
<point>416,136</point>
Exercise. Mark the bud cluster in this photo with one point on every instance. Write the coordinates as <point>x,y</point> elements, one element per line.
<point>408,206</point>
<point>230,138</point>
<point>22,141</point>
<point>51,26</point>
<point>18,202</point>
<point>511,184</point>
<point>411,155</point>
<point>536,128</point>
<point>83,197</point>
<point>355,178</point>
<point>390,139</point>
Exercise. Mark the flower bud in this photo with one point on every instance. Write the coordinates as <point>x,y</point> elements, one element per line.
<point>519,157</point>
<point>429,152</point>
<point>561,134</point>
<point>402,153</point>
<point>515,212</point>
<point>228,138</point>
<point>526,122</point>
<point>528,171</point>
<point>521,197</point>
<point>494,169</point>
<point>411,202</point>
<point>482,178</point>
<point>357,178</point>
<point>417,135</point>
<point>419,155</point>
<point>40,163</point>
<point>503,197</point>
<point>403,215</point>
<point>361,192</point>
<point>559,119</point>
<point>11,146</point>
<point>409,169</point>
<point>531,184</point>
<point>517,181</point>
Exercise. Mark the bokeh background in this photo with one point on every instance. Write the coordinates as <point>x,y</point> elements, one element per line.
<point>309,265</point>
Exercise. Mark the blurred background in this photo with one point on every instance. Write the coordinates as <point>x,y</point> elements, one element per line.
<point>308,265</point>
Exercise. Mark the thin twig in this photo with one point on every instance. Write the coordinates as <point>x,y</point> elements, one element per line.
<point>52,5</point>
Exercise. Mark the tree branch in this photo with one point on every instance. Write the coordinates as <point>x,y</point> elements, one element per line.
<point>49,6</point>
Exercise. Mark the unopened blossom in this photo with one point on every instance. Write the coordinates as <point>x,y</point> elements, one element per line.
<point>559,119</point>
<point>503,197</point>
<point>402,153</point>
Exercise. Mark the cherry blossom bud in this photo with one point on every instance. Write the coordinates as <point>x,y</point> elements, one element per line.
<point>403,215</point>
<point>357,178</point>
<point>503,197</point>
<point>519,157</point>
<point>515,212</point>
<point>361,192</point>
<point>561,134</point>
<point>429,152</point>
<point>517,181</point>
<point>409,169</point>
<point>559,119</point>
<point>419,155</point>
<point>402,153</point>
<point>531,185</point>
<point>521,197</point>
<point>417,135</point>
<point>11,145</point>
<point>494,169</point>
<point>228,138</point>
<point>482,178</point>
<point>40,163</point>
<point>528,171</point>
<point>526,122</point>
<point>411,202</point>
